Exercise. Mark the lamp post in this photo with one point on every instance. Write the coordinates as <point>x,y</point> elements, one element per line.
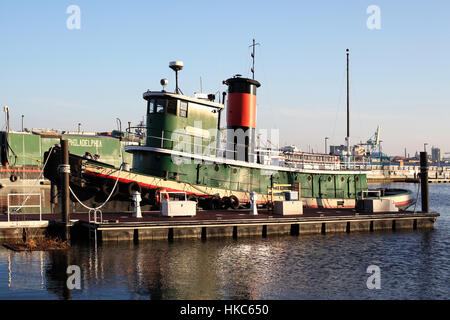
<point>326,138</point>
<point>6,110</point>
<point>79,127</point>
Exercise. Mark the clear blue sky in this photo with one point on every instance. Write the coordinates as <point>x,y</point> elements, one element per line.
<point>400,75</point>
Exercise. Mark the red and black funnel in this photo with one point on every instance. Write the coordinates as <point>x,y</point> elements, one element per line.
<point>241,108</point>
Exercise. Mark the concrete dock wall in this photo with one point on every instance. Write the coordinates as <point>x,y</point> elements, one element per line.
<point>17,229</point>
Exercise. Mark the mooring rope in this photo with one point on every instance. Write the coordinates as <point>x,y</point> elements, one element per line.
<point>107,199</point>
<point>198,189</point>
<point>110,195</point>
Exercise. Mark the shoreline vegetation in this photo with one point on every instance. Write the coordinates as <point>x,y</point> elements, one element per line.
<point>37,245</point>
<point>31,242</point>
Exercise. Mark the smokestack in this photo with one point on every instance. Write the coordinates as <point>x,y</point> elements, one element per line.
<point>241,117</point>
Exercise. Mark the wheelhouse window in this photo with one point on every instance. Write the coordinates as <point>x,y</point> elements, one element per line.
<point>151,106</point>
<point>169,106</point>
<point>183,109</point>
<point>172,106</point>
<point>160,105</point>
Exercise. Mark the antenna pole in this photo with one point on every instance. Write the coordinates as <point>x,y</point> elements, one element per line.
<point>176,66</point>
<point>348,96</point>
<point>348,110</point>
<point>253,58</point>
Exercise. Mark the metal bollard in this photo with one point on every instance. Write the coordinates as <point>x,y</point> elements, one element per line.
<point>253,208</point>
<point>137,205</point>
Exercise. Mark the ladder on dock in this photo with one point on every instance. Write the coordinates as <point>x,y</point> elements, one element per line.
<point>278,188</point>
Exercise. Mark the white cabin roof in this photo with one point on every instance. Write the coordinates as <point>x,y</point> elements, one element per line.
<point>149,94</point>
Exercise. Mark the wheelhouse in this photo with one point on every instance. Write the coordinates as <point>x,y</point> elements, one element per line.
<point>182,123</point>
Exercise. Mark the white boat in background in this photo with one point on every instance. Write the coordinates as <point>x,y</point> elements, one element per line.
<point>402,198</point>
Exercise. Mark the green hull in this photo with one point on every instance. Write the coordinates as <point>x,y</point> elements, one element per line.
<point>22,153</point>
<point>314,184</point>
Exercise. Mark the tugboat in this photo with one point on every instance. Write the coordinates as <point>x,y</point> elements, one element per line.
<point>185,150</point>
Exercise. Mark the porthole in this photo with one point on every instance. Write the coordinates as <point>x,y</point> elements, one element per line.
<point>234,170</point>
<point>309,178</point>
<point>329,179</point>
<point>356,179</point>
<point>342,179</point>
<point>216,167</point>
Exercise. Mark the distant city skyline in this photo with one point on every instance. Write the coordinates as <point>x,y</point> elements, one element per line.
<point>60,69</point>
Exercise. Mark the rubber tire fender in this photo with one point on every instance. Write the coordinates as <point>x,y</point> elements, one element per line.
<point>225,203</point>
<point>132,187</point>
<point>234,202</point>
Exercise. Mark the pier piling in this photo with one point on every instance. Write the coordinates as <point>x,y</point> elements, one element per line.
<point>424,181</point>
<point>64,170</point>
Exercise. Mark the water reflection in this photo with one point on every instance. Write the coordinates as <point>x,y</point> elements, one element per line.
<point>56,275</point>
<point>24,272</point>
<point>414,265</point>
<point>286,268</point>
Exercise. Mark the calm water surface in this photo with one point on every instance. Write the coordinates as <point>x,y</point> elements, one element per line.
<point>414,265</point>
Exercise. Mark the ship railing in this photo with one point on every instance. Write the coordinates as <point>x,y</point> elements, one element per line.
<point>360,166</point>
<point>278,188</point>
<point>313,166</point>
<point>135,135</point>
<point>199,145</point>
<point>18,207</point>
<point>203,147</point>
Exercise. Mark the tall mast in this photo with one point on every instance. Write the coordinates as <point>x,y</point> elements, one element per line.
<point>348,97</point>
<point>348,110</point>
<point>253,58</point>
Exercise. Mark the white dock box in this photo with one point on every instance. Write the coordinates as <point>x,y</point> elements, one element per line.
<point>178,208</point>
<point>288,207</point>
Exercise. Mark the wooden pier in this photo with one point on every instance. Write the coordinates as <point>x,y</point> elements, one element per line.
<point>215,224</point>
<point>236,224</point>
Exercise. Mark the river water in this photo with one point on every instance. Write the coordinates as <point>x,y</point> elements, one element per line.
<point>412,264</point>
